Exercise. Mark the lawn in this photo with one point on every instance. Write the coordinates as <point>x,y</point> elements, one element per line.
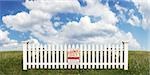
<point>11,64</point>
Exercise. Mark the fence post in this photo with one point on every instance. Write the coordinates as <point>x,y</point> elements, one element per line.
<point>25,56</point>
<point>125,45</point>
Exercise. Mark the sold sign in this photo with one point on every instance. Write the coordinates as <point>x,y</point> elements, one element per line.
<point>73,55</point>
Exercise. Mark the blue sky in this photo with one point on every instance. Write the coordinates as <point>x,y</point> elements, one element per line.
<point>60,20</point>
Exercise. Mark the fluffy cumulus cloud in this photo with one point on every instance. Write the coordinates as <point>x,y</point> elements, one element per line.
<point>95,8</point>
<point>88,32</point>
<point>53,6</point>
<point>37,21</point>
<point>24,21</point>
<point>5,41</point>
<point>143,7</point>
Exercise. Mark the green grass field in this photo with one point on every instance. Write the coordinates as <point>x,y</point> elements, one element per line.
<point>11,64</point>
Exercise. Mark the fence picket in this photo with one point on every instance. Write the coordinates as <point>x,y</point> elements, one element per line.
<point>77,48</point>
<point>73,66</point>
<point>25,56</point>
<point>69,48</point>
<point>49,56</point>
<point>41,56</point>
<point>61,56</point>
<point>93,56</point>
<point>29,56</point>
<point>125,55</point>
<point>117,56</point>
<point>85,56</point>
<point>53,55</point>
<point>37,56</point>
<point>121,56</point>
<point>45,56</point>
<point>65,56</point>
<point>97,56</point>
<point>81,56</point>
<point>57,56</point>
<point>105,56</point>
<point>33,55</point>
<point>109,56</point>
<point>89,56</point>
<point>113,56</point>
<point>101,55</point>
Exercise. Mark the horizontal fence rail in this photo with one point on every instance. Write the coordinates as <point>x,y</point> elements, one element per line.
<point>75,56</point>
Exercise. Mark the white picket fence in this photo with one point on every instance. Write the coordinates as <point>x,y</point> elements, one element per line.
<point>85,56</point>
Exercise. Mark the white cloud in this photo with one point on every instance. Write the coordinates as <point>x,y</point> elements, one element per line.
<point>5,41</point>
<point>95,8</point>
<point>134,20</point>
<point>144,8</point>
<point>24,21</point>
<point>15,21</point>
<point>53,6</point>
<point>87,32</point>
<point>37,21</point>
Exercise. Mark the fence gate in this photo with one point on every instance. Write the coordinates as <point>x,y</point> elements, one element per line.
<point>75,56</point>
